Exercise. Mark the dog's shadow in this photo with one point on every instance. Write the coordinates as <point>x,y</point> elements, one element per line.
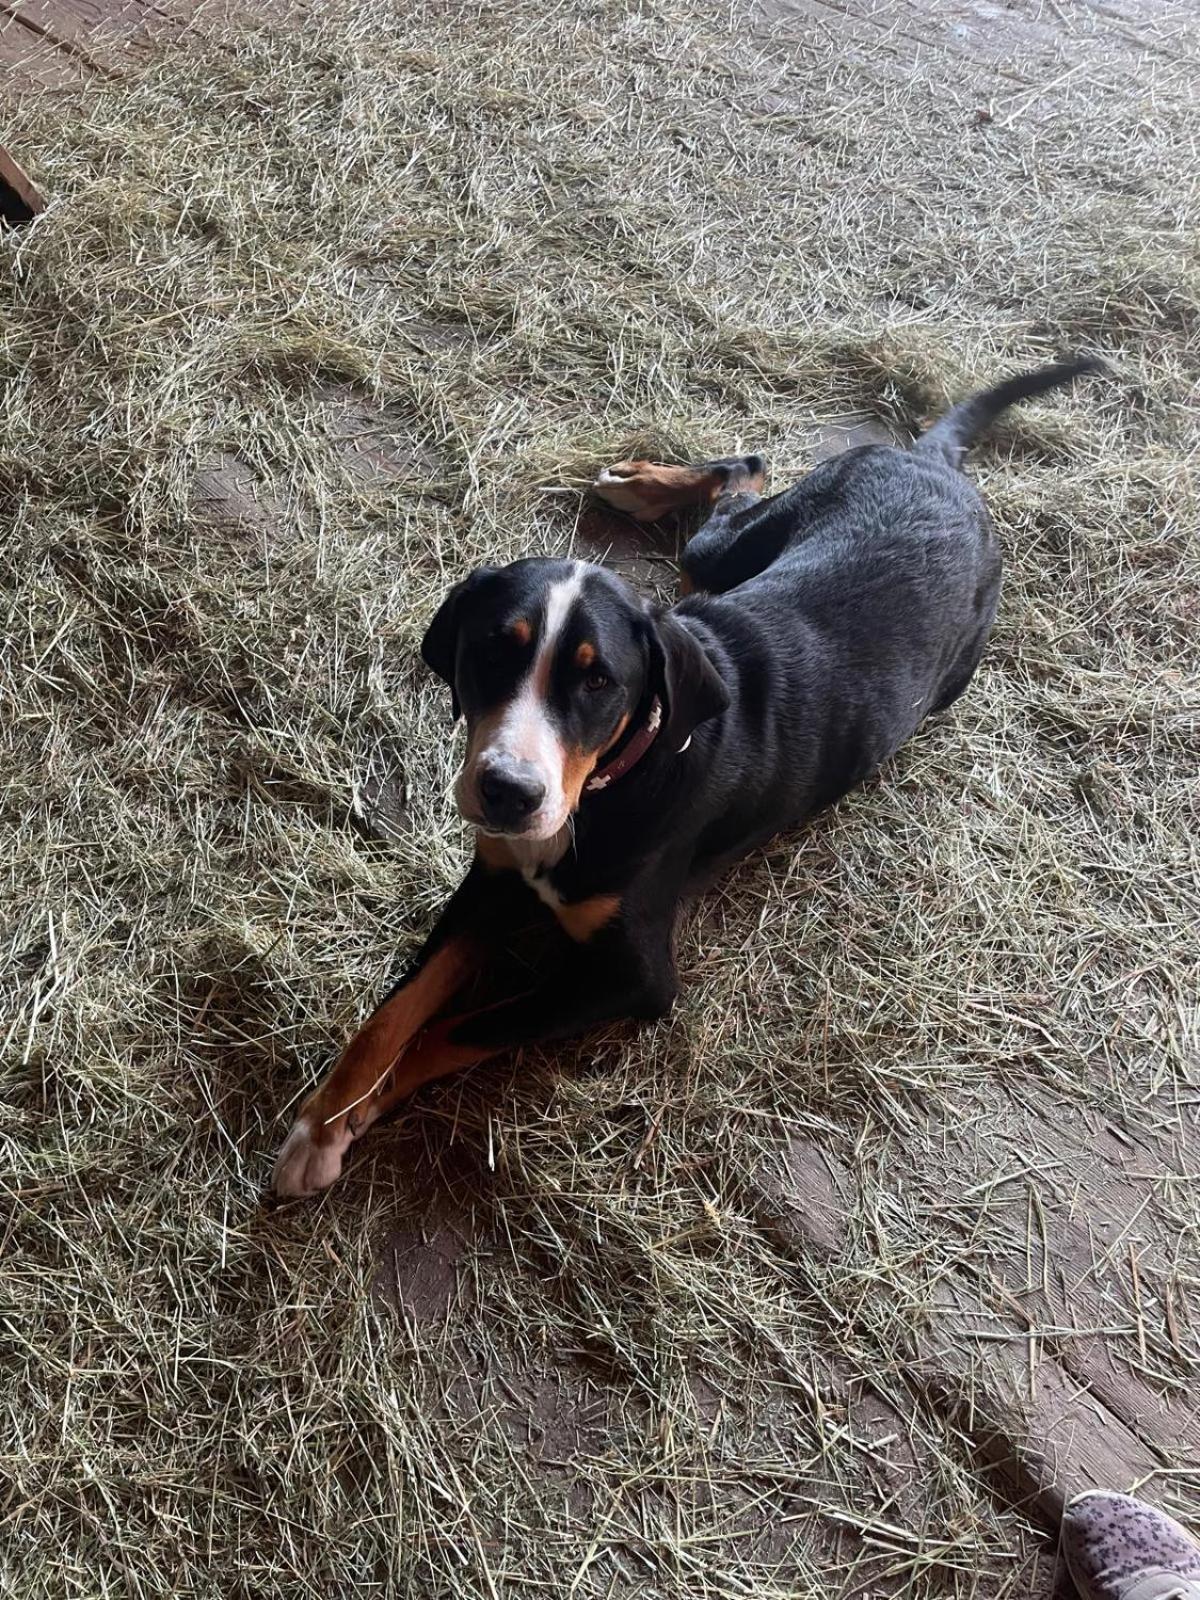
<point>444,1209</point>
<point>646,555</point>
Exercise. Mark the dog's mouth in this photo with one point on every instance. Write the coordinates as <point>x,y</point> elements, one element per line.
<point>543,822</point>
<point>531,834</point>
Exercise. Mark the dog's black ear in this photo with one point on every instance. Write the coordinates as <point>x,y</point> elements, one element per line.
<point>686,680</point>
<point>439,647</point>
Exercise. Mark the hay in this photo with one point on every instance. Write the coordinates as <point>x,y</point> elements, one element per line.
<point>315,322</point>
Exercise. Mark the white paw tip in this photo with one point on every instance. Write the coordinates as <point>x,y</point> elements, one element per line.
<point>304,1167</point>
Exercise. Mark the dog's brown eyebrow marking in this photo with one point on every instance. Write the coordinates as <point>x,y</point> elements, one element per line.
<point>585,655</point>
<point>521,631</point>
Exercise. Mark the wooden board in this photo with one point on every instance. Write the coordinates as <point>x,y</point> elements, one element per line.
<point>19,198</point>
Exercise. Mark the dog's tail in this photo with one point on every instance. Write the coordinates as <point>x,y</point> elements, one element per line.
<point>954,434</point>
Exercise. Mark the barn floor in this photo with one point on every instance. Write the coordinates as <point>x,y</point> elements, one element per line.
<point>837,1282</point>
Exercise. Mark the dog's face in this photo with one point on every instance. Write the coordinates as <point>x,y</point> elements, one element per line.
<point>549,661</point>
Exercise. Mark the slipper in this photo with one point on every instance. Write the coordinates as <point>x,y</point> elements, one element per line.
<point>1119,1548</point>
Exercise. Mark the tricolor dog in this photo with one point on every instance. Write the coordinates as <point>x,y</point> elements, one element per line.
<point>620,755</point>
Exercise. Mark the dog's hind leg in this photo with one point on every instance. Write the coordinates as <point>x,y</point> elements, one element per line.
<point>747,532</point>
<point>649,490</point>
<point>728,549</point>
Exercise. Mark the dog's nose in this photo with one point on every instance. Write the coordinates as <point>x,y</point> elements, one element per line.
<point>510,794</point>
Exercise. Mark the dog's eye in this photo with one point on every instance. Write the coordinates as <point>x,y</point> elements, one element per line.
<point>499,645</point>
<point>595,681</point>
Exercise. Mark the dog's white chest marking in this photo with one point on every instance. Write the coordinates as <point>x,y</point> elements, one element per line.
<point>542,887</point>
<point>533,859</point>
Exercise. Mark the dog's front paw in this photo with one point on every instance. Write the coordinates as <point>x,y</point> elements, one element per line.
<point>311,1157</point>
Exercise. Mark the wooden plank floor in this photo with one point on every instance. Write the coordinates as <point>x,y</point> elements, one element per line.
<point>58,43</point>
<point>55,44</point>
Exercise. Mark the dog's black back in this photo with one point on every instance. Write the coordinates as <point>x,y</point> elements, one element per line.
<point>839,614</point>
<point>873,614</point>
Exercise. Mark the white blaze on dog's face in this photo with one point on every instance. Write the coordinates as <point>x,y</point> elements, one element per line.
<point>516,758</point>
<point>547,659</point>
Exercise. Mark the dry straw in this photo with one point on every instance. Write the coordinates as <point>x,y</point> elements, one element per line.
<point>317,320</point>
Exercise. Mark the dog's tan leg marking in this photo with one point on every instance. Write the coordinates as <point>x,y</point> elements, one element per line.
<point>432,1054</point>
<point>648,490</point>
<point>345,1104</point>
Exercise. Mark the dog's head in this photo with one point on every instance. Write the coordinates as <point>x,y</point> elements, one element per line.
<point>550,661</point>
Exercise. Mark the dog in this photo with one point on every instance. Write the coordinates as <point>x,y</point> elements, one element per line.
<point>620,756</point>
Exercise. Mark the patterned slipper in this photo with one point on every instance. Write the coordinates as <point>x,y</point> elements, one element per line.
<point>1119,1548</point>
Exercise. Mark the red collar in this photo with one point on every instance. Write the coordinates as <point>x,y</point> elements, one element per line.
<point>632,753</point>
